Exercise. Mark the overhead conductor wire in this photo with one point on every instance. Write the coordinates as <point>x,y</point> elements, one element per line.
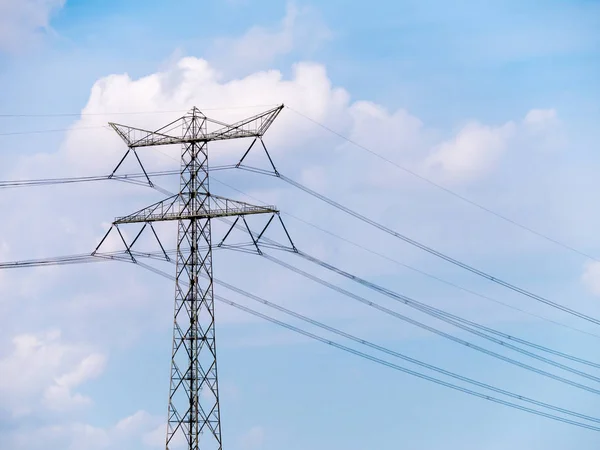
<point>82,258</point>
<point>440,254</point>
<point>437,313</point>
<point>445,189</point>
<point>415,269</point>
<point>441,315</point>
<point>397,355</point>
<point>470,326</point>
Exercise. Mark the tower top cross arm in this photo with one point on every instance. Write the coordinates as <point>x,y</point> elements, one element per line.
<point>252,127</point>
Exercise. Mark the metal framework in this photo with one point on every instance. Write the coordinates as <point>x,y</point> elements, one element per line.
<point>193,413</point>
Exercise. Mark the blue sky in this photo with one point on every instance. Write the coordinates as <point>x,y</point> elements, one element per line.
<point>496,100</point>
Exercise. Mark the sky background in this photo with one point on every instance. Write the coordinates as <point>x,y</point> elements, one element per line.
<point>496,100</point>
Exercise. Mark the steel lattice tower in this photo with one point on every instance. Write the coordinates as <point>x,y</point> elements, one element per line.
<point>193,414</point>
<point>194,318</point>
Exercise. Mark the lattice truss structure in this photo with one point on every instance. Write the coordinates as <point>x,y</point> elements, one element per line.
<point>193,413</point>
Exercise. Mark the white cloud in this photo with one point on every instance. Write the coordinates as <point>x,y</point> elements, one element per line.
<point>537,117</point>
<point>545,128</point>
<point>22,20</point>
<point>472,153</point>
<point>60,397</point>
<point>192,81</point>
<point>406,132</point>
<point>591,277</point>
<point>300,30</point>
<point>477,148</point>
<point>253,439</point>
<point>129,432</point>
<point>398,135</point>
<point>42,370</point>
<point>134,423</point>
<point>88,368</point>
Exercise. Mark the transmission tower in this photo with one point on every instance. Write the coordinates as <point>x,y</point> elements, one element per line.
<point>194,420</point>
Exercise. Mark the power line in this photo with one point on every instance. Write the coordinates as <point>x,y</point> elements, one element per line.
<point>81,258</point>
<point>70,180</point>
<point>125,256</point>
<point>447,317</point>
<point>435,330</point>
<point>79,114</point>
<point>452,319</point>
<point>395,354</point>
<point>55,130</point>
<point>439,254</point>
<point>58,130</point>
<point>446,282</point>
<point>447,190</point>
<point>56,261</point>
<point>459,322</point>
<point>441,315</point>
<point>415,269</point>
<point>513,338</point>
<point>119,255</point>
<point>403,369</point>
<point>84,258</point>
<point>404,357</point>
<point>88,114</point>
